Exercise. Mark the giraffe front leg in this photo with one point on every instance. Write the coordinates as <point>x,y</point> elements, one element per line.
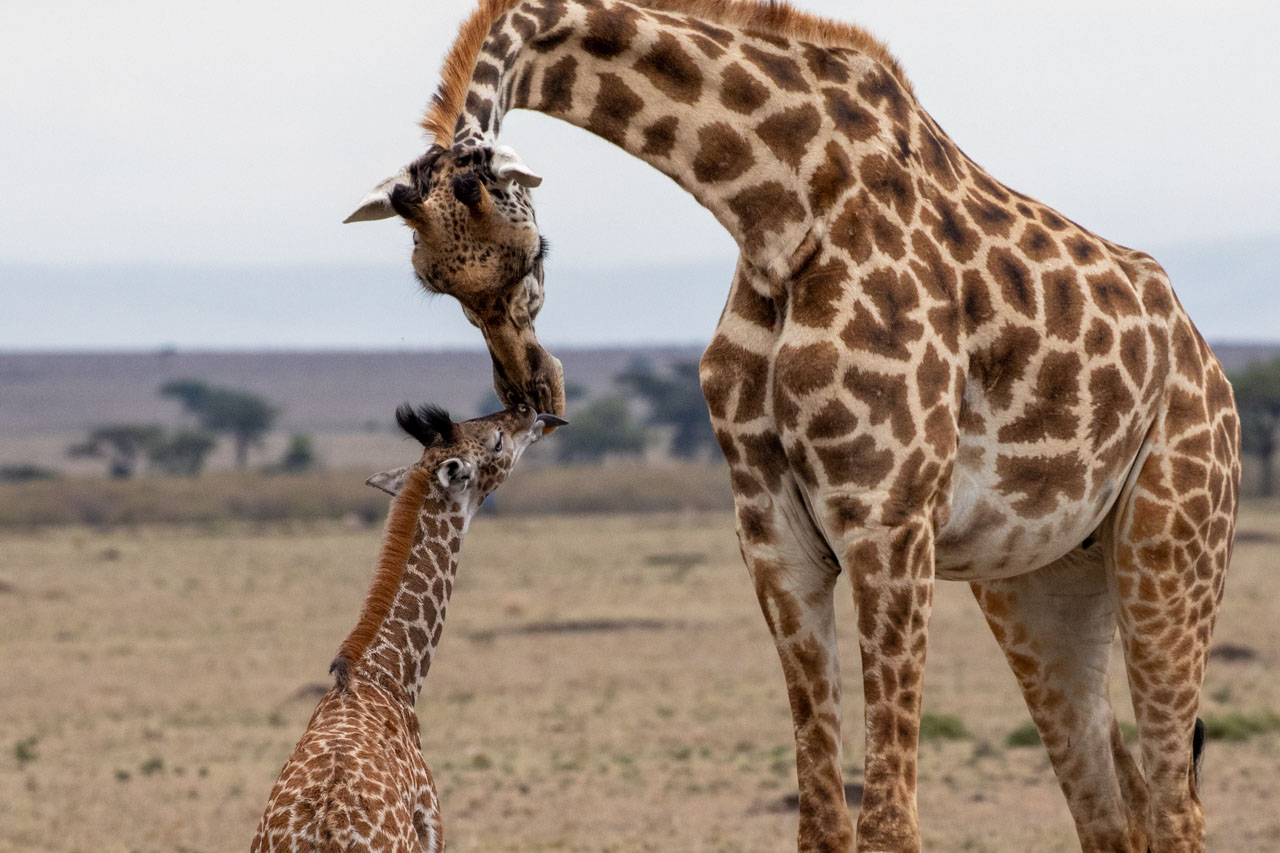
<point>795,588</point>
<point>891,570</point>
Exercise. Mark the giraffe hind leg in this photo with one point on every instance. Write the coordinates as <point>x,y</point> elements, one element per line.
<point>1055,626</point>
<point>1168,545</point>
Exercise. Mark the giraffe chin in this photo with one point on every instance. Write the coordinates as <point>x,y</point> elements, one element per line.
<point>542,388</point>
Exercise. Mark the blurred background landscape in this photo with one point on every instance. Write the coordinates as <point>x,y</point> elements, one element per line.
<point>199,365</point>
<point>116,437</point>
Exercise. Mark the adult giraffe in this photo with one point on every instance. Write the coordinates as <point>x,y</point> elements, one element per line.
<point>919,373</point>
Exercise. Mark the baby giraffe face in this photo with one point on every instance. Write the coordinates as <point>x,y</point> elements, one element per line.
<point>468,461</point>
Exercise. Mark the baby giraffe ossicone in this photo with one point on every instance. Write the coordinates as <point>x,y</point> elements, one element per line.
<point>357,780</point>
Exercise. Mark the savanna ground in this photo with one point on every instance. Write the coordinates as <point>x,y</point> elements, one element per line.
<point>604,683</point>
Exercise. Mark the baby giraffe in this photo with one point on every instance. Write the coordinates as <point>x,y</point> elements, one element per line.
<point>356,780</point>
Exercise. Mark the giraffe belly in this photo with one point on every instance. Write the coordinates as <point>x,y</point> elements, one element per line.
<point>995,532</point>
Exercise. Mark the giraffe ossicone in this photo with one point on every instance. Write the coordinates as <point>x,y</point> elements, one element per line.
<point>506,165</point>
<point>919,373</point>
<point>356,781</point>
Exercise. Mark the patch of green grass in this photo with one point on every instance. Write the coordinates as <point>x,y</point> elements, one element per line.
<point>1023,735</point>
<point>1240,726</point>
<point>942,727</point>
<point>25,750</point>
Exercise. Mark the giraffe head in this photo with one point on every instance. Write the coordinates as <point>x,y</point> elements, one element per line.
<point>476,239</point>
<point>464,461</point>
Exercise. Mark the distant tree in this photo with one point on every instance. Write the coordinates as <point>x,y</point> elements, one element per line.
<point>300,455</point>
<point>192,393</point>
<point>674,399</point>
<point>1257,390</point>
<point>26,473</point>
<point>182,453</point>
<point>490,403</point>
<point>245,417</point>
<point>120,444</point>
<point>602,428</point>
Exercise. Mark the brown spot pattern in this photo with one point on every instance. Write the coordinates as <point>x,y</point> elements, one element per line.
<point>789,132</point>
<point>616,105</point>
<point>723,154</point>
<point>782,70</point>
<point>671,70</point>
<point>741,92</point>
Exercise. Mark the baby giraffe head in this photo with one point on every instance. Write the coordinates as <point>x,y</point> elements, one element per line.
<point>463,462</point>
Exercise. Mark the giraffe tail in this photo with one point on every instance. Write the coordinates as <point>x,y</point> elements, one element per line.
<point>1197,750</point>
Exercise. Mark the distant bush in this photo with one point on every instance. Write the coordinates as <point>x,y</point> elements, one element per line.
<point>182,453</point>
<point>300,455</point>
<point>942,727</point>
<point>601,428</point>
<point>1240,726</point>
<point>121,445</point>
<point>247,496</point>
<point>1024,735</point>
<point>25,473</point>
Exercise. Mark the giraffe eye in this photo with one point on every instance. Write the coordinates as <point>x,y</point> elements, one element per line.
<point>497,443</point>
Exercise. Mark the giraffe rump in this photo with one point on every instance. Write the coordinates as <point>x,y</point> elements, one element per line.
<point>401,525</point>
<point>771,16</point>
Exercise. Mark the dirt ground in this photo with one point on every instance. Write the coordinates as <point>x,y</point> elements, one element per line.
<point>604,683</point>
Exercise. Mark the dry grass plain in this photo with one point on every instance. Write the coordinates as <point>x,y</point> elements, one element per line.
<point>605,683</point>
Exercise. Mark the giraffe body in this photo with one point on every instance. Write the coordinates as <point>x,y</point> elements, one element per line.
<point>919,373</point>
<point>356,780</point>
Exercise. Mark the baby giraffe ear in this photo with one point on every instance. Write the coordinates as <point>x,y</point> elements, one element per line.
<point>391,481</point>
<point>455,473</point>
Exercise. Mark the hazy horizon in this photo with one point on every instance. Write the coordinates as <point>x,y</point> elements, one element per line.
<point>1229,287</point>
<point>229,141</point>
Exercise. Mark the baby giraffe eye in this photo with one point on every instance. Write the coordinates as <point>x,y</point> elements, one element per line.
<point>497,442</point>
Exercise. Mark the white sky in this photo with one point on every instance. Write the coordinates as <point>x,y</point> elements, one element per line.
<point>241,133</point>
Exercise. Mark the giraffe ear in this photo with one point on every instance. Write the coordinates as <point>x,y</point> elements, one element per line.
<point>391,481</point>
<point>507,166</point>
<point>455,473</point>
<point>377,204</point>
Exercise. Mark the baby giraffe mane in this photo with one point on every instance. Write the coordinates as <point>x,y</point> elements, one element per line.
<point>402,524</point>
<point>429,425</point>
<point>770,16</point>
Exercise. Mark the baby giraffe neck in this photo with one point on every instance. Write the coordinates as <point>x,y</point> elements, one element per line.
<point>403,616</point>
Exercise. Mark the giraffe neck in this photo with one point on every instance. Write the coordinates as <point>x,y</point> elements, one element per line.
<point>401,651</point>
<point>730,115</point>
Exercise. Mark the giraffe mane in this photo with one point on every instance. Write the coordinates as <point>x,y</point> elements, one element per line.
<point>771,16</point>
<point>402,524</point>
